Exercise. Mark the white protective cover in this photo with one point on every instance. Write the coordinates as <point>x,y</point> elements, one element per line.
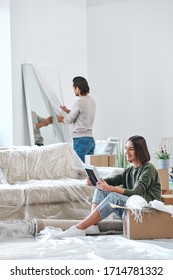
<point>43,182</point>
<point>53,161</point>
<point>46,182</point>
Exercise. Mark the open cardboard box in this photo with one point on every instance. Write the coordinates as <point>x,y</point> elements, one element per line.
<point>167,199</point>
<point>155,224</point>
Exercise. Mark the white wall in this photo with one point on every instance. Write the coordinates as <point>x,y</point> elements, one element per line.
<point>6,124</point>
<point>129,54</point>
<point>130,67</point>
<point>48,33</point>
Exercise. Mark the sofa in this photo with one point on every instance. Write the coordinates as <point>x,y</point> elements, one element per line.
<point>47,182</point>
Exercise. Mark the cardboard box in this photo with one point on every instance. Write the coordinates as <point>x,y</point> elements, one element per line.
<point>155,224</point>
<point>97,160</point>
<point>167,191</point>
<point>164,178</point>
<point>167,199</point>
<point>100,160</point>
<point>111,160</point>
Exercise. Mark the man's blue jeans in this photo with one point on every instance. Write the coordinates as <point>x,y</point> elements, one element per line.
<point>84,146</point>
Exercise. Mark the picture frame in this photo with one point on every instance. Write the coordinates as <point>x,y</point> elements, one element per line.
<point>92,174</point>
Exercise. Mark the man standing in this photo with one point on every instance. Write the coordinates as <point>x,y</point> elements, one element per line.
<point>81,116</point>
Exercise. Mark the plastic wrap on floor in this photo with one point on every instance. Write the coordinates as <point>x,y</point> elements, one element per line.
<point>16,243</point>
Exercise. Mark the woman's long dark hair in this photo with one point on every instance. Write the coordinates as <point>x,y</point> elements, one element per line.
<point>141,150</point>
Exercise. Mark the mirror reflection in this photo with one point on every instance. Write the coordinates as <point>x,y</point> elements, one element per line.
<point>43,97</point>
<point>38,123</point>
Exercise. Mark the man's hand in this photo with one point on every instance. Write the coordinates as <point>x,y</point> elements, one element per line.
<point>59,118</point>
<point>65,109</point>
<point>48,121</point>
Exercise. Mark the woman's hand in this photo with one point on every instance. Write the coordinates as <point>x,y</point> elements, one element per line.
<point>102,185</point>
<point>89,183</point>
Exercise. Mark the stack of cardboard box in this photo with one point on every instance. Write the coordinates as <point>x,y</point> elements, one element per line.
<point>167,194</point>
<point>100,160</point>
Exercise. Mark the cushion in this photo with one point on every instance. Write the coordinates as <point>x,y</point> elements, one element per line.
<point>108,171</point>
<point>53,161</point>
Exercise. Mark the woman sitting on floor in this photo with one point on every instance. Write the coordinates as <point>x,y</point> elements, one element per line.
<point>141,178</point>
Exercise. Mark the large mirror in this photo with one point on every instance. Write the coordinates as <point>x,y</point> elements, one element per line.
<point>43,99</point>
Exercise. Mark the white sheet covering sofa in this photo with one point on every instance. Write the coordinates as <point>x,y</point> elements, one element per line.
<point>46,182</point>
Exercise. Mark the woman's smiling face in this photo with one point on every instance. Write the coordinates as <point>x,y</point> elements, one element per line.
<point>130,152</point>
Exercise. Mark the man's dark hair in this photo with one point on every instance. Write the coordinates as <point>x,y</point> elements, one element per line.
<point>141,150</point>
<point>82,84</point>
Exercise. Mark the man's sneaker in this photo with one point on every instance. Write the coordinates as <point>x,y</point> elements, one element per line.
<point>71,232</point>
